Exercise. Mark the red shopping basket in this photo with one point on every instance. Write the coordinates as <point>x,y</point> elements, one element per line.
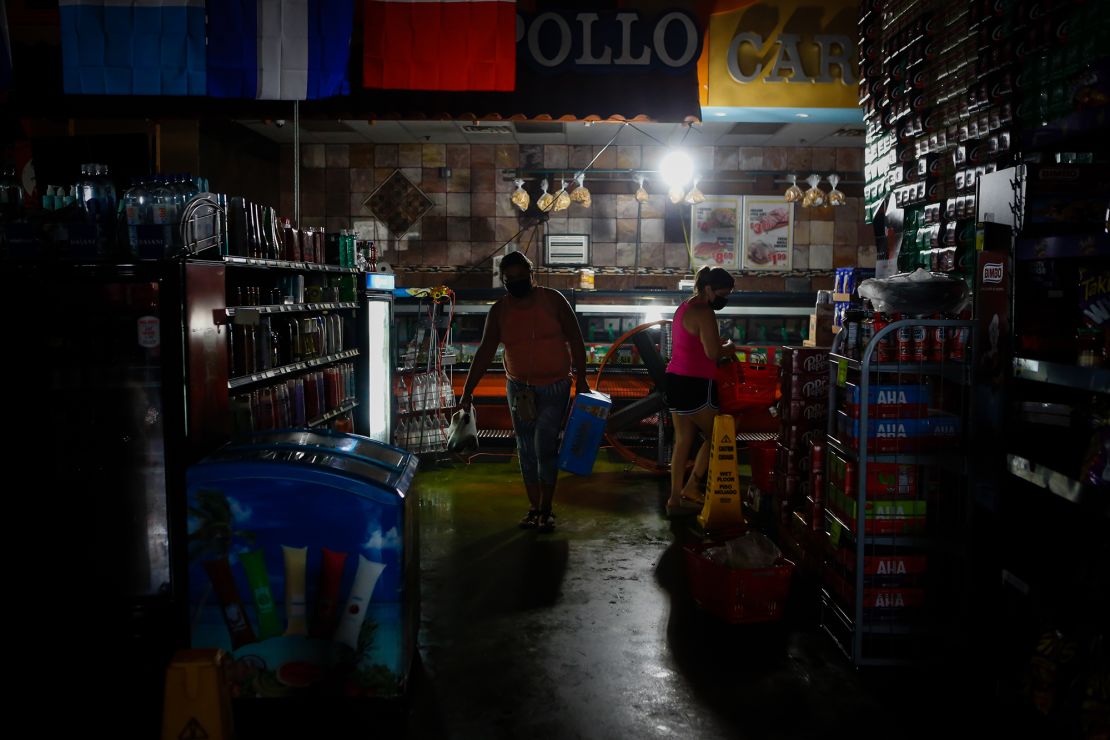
<point>745,385</point>
<point>738,595</point>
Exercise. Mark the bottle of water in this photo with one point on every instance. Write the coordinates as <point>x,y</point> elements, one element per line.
<point>402,393</point>
<point>401,434</point>
<point>133,206</point>
<point>107,191</point>
<point>87,192</point>
<point>164,212</point>
<point>446,391</point>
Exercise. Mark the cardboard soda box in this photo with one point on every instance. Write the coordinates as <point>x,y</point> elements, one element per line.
<point>585,429</point>
<point>890,401</point>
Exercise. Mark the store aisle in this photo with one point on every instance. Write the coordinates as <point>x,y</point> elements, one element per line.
<point>591,633</point>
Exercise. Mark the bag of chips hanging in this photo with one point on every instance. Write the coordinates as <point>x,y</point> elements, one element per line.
<point>520,196</point>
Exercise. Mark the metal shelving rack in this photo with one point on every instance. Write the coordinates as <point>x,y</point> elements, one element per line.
<point>858,615</point>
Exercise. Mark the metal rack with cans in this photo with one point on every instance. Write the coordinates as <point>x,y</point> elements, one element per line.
<point>895,494</point>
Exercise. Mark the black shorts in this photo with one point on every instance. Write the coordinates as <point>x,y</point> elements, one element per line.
<point>687,395</point>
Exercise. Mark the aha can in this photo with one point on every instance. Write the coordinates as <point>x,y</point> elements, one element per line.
<point>905,341</point>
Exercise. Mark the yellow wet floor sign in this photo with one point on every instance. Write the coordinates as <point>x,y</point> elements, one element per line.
<point>722,508</point>
<point>197,703</point>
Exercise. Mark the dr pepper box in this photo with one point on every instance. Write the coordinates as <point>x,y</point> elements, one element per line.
<point>889,401</point>
<point>584,431</point>
<point>803,362</point>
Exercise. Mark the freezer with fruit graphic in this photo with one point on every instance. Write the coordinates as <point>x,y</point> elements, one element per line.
<point>303,563</point>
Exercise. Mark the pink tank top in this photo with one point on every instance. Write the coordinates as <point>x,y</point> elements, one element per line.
<point>687,353</point>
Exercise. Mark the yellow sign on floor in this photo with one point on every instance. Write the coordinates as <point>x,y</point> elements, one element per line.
<point>197,704</point>
<point>722,508</point>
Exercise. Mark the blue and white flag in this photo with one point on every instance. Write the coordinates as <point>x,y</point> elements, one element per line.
<point>279,49</point>
<point>133,47</point>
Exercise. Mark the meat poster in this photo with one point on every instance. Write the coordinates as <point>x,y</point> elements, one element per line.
<point>767,239</point>
<point>714,236</point>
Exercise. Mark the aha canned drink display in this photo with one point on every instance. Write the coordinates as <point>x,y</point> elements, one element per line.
<point>889,401</point>
<point>939,430</point>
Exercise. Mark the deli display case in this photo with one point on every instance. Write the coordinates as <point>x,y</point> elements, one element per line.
<point>757,322</point>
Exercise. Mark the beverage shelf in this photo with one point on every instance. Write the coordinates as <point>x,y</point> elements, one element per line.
<point>957,372</point>
<point>1058,484</point>
<point>1056,373</point>
<point>953,459</point>
<point>291,369</point>
<point>338,411</point>
<point>285,264</point>
<point>292,307</point>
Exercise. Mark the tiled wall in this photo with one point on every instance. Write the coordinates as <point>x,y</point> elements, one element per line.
<point>473,215</point>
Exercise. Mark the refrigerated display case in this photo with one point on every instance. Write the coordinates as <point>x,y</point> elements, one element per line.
<point>376,379</point>
<point>757,323</point>
<point>303,564</point>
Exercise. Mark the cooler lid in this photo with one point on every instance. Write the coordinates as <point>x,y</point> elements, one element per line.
<point>393,458</point>
<point>349,466</point>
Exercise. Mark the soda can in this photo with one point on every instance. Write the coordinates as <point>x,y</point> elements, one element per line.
<point>817,517</point>
<point>937,345</point>
<point>817,455</point>
<point>817,486</point>
<point>885,350</point>
<point>920,336</point>
<point>957,351</point>
<point>905,342</point>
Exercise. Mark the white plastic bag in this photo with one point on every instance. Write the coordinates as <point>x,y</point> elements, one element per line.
<point>462,436</point>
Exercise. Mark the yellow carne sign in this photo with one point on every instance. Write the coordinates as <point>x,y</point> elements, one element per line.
<point>781,54</point>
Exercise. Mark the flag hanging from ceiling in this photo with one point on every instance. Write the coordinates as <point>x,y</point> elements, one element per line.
<point>133,47</point>
<point>439,45</point>
<point>279,49</point>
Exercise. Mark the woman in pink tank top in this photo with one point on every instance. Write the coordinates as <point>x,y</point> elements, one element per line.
<point>691,388</point>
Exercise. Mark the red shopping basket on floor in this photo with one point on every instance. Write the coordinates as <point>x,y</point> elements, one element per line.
<point>746,385</point>
<point>737,595</point>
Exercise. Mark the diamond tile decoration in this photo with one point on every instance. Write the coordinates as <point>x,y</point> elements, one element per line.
<point>398,204</point>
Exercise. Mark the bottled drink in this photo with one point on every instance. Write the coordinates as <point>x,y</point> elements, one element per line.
<point>135,200</point>
<point>401,391</point>
<point>163,211</point>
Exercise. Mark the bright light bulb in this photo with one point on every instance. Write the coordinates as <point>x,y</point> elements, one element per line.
<point>677,169</point>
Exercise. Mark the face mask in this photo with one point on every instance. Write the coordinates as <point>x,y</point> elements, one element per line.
<point>518,288</point>
<point>718,303</point>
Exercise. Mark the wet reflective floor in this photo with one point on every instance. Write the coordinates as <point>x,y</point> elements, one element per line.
<point>591,632</point>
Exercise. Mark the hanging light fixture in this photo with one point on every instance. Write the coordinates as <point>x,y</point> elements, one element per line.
<point>677,170</point>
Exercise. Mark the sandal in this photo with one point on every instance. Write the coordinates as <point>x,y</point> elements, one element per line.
<point>546,523</point>
<point>682,509</point>
<point>530,520</point>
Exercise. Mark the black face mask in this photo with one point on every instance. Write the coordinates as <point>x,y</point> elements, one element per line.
<point>519,288</point>
<point>718,303</point>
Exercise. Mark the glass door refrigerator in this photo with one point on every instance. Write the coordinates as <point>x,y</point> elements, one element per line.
<point>376,383</point>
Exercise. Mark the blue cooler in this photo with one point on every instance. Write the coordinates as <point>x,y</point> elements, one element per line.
<point>585,429</point>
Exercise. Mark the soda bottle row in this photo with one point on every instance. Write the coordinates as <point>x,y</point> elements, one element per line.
<point>279,340</point>
<point>295,402</point>
<point>908,343</point>
<point>426,432</point>
<point>424,391</point>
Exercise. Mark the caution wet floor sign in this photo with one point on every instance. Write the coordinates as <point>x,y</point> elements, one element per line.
<point>722,508</point>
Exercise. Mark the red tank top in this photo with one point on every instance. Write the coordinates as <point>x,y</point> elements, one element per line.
<point>687,353</point>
